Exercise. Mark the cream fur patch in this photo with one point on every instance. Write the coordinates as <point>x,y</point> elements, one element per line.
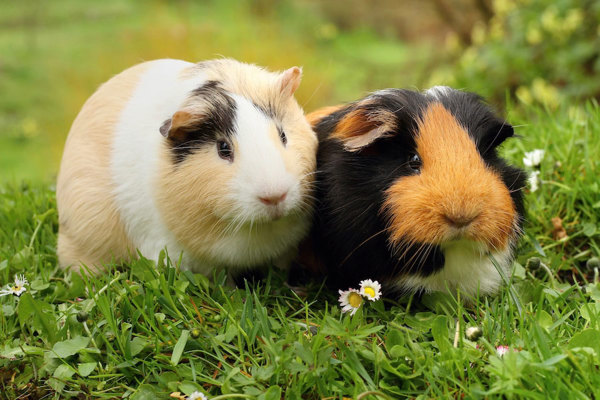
<point>91,230</point>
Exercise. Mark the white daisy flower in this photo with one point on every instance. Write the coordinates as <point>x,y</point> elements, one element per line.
<point>197,396</point>
<point>17,289</point>
<point>350,300</point>
<point>533,158</point>
<point>370,289</point>
<point>534,180</point>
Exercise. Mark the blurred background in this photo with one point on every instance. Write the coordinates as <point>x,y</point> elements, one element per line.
<point>517,53</point>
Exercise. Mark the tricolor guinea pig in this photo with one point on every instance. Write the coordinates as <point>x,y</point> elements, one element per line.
<point>213,161</point>
<point>411,191</point>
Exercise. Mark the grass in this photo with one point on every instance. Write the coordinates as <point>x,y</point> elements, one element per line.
<point>54,54</point>
<point>148,330</point>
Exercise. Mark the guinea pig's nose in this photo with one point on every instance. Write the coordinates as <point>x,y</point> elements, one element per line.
<point>459,220</point>
<point>272,199</point>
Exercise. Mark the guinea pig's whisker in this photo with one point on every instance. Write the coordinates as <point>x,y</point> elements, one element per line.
<point>303,208</point>
<point>347,204</point>
<point>495,137</point>
<point>405,247</point>
<point>513,184</point>
<point>240,224</point>
<point>364,211</point>
<point>415,260</point>
<point>309,174</point>
<point>364,241</point>
<point>396,169</point>
<point>419,256</point>
<point>424,257</point>
<point>307,196</point>
<point>312,94</point>
<point>422,254</point>
<point>516,190</point>
<point>415,255</point>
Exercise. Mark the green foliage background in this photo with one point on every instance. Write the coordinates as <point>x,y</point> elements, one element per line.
<point>544,51</point>
<point>54,54</point>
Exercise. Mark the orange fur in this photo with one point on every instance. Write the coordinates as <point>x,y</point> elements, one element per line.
<point>316,116</point>
<point>454,184</point>
<point>360,127</point>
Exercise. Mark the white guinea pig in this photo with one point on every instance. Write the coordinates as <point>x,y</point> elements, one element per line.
<point>213,161</point>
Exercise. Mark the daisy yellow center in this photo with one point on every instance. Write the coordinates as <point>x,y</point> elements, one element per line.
<point>354,299</point>
<point>369,291</point>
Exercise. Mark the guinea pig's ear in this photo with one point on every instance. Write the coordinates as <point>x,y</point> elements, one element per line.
<point>289,81</point>
<point>176,127</point>
<point>362,126</point>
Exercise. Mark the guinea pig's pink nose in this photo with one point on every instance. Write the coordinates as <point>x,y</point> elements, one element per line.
<point>273,200</point>
<point>460,220</point>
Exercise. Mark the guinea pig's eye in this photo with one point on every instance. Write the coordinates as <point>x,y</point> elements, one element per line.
<point>282,136</point>
<point>415,163</point>
<point>224,149</point>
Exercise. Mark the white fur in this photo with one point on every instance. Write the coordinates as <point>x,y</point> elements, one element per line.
<point>438,91</point>
<point>467,267</point>
<point>262,168</point>
<point>135,154</point>
<point>255,237</point>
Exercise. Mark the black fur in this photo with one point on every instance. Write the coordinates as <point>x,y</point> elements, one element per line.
<point>348,233</point>
<point>218,124</point>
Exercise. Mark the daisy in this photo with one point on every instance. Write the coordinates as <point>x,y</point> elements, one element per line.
<point>370,289</point>
<point>350,300</point>
<point>534,180</point>
<point>502,350</point>
<point>533,158</point>
<point>17,289</point>
<point>197,396</point>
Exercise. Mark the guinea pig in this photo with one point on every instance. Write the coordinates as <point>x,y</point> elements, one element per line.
<point>411,192</point>
<point>213,162</point>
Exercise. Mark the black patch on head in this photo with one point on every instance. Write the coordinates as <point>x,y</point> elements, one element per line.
<point>349,230</point>
<point>218,122</point>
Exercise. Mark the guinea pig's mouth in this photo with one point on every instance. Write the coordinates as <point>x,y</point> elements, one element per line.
<point>266,215</point>
<point>457,233</point>
<point>276,213</point>
<point>468,246</point>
